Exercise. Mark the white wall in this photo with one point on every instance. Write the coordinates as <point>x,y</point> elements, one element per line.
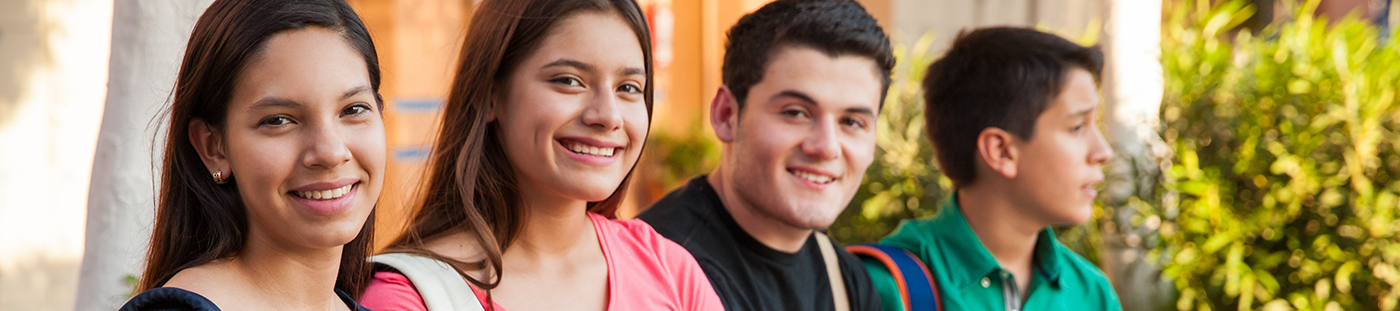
<point>53,72</point>
<point>945,18</point>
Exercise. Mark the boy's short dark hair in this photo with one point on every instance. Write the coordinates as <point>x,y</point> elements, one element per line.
<point>1002,77</point>
<point>834,27</point>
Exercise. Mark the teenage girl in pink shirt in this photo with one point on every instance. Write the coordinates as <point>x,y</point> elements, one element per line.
<point>544,124</point>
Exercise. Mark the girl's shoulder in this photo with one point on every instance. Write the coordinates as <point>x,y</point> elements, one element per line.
<point>404,281</point>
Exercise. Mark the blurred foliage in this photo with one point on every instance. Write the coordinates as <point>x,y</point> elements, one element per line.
<point>132,282</point>
<point>675,158</point>
<point>1285,167</point>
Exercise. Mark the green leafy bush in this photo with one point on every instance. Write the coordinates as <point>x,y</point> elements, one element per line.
<point>1285,167</point>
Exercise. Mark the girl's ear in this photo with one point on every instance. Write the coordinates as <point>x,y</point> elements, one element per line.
<point>209,143</point>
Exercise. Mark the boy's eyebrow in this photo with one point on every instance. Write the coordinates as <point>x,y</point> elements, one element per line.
<point>794,94</point>
<point>803,96</point>
<point>861,110</point>
<point>1082,112</point>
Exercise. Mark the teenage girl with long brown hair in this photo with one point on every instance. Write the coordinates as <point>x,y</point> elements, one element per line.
<point>273,162</point>
<point>544,124</point>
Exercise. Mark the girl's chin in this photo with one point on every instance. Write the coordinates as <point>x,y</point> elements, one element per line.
<point>333,240</point>
<point>594,195</point>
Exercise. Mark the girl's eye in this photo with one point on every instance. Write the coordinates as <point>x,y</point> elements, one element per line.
<point>1076,128</point>
<point>569,81</point>
<point>278,120</point>
<point>630,89</point>
<point>355,110</point>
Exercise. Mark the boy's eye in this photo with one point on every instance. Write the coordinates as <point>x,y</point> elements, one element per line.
<point>853,122</point>
<point>1076,128</point>
<point>795,113</point>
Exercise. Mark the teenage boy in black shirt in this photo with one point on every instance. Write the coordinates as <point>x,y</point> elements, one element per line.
<point>803,86</point>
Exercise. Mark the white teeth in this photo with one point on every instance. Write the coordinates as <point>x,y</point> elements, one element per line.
<point>820,179</point>
<point>591,150</point>
<point>324,194</point>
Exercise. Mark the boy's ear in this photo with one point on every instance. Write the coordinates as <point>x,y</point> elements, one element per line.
<point>996,148</point>
<point>210,146</point>
<point>724,114</point>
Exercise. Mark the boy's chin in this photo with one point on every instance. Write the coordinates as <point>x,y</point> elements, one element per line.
<point>1079,216</point>
<point>1070,215</point>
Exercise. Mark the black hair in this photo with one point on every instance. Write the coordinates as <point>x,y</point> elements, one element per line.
<point>1002,77</point>
<point>834,27</point>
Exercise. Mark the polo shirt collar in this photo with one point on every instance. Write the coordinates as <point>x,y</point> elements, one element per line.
<point>971,261</point>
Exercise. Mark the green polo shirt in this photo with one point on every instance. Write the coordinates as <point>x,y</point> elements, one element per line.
<point>969,278</point>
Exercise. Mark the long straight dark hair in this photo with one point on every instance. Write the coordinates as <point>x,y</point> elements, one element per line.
<point>470,186</point>
<point>198,220</point>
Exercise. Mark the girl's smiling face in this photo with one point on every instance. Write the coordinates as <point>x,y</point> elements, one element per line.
<point>573,117</point>
<point>303,141</point>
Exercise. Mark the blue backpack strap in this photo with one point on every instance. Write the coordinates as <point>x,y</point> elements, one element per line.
<point>916,285</point>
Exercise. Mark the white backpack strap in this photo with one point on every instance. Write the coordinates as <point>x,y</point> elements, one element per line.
<point>441,287</point>
<point>833,273</point>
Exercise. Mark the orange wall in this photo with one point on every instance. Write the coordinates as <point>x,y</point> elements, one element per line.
<point>417,43</point>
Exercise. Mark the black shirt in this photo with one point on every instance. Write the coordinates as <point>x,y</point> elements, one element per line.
<point>746,274</point>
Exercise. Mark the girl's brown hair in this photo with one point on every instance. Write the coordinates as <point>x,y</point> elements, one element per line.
<point>470,186</point>
<point>197,220</point>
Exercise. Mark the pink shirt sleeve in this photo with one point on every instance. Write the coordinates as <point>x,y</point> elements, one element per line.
<point>390,291</point>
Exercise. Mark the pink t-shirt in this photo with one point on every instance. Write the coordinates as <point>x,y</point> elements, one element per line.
<point>645,272</point>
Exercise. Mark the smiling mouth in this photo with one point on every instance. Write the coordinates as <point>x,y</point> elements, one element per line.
<point>325,194</point>
<point>814,178</point>
<point>589,150</point>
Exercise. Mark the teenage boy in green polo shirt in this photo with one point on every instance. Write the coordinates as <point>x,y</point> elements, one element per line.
<point>1010,112</point>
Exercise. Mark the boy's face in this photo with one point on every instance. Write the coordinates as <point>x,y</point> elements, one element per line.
<point>1058,168</point>
<point>805,136</point>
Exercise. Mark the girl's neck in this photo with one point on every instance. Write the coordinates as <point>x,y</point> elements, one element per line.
<point>553,226</point>
<point>298,278</point>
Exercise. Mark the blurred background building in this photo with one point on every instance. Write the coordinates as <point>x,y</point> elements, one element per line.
<point>81,82</point>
